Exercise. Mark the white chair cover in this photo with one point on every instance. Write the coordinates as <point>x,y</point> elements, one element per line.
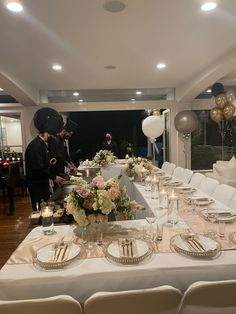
<point>217,297</point>
<point>170,169</point>
<point>165,166</point>
<point>178,173</point>
<point>60,304</point>
<point>161,300</point>
<point>224,193</point>
<point>208,186</point>
<point>187,175</point>
<point>196,179</point>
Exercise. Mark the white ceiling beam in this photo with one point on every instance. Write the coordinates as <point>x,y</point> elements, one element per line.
<point>25,95</point>
<point>188,91</point>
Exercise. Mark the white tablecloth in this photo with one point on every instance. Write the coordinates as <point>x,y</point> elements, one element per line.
<point>83,278</point>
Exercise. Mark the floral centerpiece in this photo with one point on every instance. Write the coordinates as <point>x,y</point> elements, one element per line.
<point>104,157</point>
<point>137,165</point>
<point>93,202</point>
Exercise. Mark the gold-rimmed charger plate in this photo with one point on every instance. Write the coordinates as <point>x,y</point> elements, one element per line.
<point>113,253</point>
<point>198,246</point>
<point>51,257</point>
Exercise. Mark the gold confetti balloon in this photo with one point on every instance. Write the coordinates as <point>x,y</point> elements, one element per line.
<point>229,111</point>
<point>216,114</point>
<point>221,101</point>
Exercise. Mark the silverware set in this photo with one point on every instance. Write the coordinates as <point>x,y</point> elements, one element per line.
<point>193,243</point>
<point>127,246</point>
<point>60,252</point>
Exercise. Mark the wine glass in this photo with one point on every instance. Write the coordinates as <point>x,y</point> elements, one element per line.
<point>150,218</point>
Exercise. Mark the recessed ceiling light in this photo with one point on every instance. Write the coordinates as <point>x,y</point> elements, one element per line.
<point>57,67</point>
<point>1,89</point>
<point>208,90</point>
<point>14,6</point>
<point>75,94</point>
<point>132,99</point>
<point>161,65</point>
<point>138,92</point>
<point>114,6</point>
<point>110,67</point>
<point>208,6</point>
<point>81,100</point>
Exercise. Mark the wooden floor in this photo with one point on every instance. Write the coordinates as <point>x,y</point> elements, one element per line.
<point>13,229</point>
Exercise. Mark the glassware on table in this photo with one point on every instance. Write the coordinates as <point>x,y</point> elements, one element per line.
<point>173,208</point>
<point>221,229</point>
<point>159,234</point>
<point>47,220</point>
<point>163,199</point>
<point>154,188</point>
<point>148,183</point>
<point>150,218</point>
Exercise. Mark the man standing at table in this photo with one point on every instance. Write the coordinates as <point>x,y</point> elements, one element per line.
<point>37,157</point>
<point>58,148</point>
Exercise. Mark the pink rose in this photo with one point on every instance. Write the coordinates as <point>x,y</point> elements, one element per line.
<point>83,191</point>
<point>133,205</point>
<point>91,218</point>
<point>114,192</point>
<point>99,182</point>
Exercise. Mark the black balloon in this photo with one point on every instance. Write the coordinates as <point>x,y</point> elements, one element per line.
<point>48,120</point>
<point>217,89</point>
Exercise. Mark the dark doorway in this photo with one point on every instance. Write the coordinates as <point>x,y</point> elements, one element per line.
<point>125,126</point>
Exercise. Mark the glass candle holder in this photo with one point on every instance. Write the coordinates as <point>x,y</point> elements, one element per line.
<point>163,199</point>
<point>47,219</point>
<point>173,209</point>
<point>154,188</point>
<point>148,183</point>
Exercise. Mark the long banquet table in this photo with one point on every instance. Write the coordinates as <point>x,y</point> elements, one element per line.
<point>84,277</point>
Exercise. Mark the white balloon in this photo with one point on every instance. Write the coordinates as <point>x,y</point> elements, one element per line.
<point>153,127</point>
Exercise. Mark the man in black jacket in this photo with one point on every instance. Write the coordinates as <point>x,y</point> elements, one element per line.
<point>37,158</point>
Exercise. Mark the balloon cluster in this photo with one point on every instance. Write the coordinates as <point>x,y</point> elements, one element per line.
<point>186,122</point>
<point>224,109</point>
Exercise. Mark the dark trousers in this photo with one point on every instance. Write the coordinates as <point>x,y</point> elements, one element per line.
<point>38,191</point>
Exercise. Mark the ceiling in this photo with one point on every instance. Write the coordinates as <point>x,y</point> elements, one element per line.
<point>84,38</point>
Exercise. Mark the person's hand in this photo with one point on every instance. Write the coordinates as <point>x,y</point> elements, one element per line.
<point>59,180</point>
<point>72,168</point>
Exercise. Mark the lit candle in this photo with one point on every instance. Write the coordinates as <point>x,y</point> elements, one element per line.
<point>18,158</point>
<point>47,212</point>
<point>148,179</point>
<point>172,195</point>
<point>13,158</point>
<point>163,192</point>
<point>127,156</point>
<point>143,170</point>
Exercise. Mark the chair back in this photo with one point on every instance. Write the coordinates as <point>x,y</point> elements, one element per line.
<point>165,166</point>
<point>196,179</point>
<point>178,173</point>
<point>187,175</point>
<point>170,168</point>
<point>161,300</point>
<point>208,185</point>
<point>60,304</point>
<point>217,297</point>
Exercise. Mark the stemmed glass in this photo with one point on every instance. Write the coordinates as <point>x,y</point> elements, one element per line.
<point>150,218</point>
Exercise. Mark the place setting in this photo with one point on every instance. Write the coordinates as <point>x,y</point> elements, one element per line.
<point>58,255</point>
<point>195,245</point>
